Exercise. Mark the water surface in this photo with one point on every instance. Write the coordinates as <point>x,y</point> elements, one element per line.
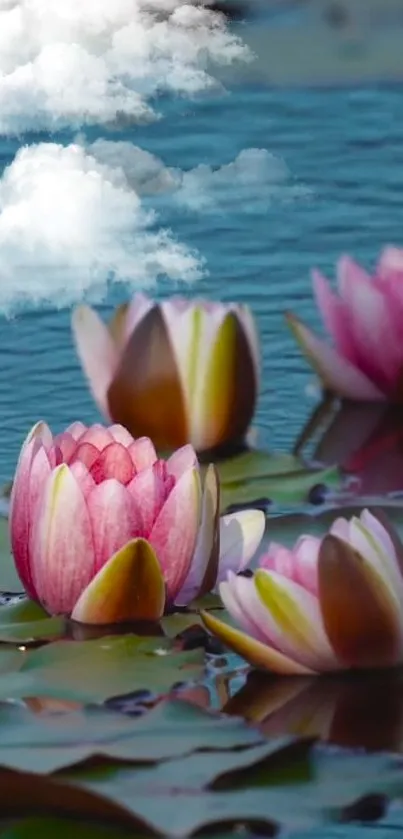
<point>343,147</point>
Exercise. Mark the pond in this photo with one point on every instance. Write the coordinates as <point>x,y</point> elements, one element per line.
<point>287,162</point>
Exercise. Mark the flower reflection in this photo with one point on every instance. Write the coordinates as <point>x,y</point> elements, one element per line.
<point>365,439</point>
<point>356,710</point>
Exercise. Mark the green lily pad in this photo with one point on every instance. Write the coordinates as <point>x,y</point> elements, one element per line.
<point>9,579</point>
<point>63,828</point>
<point>26,621</point>
<point>44,744</point>
<point>92,671</point>
<point>256,464</point>
<point>283,782</point>
<point>285,488</point>
<point>176,798</point>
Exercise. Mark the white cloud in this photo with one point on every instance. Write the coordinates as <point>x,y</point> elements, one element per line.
<point>75,62</point>
<point>70,224</point>
<point>254,180</point>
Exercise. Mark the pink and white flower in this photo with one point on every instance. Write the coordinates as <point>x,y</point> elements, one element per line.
<point>326,605</point>
<point>365,322</point>
<point>178,371</point>
<point>104,531</point>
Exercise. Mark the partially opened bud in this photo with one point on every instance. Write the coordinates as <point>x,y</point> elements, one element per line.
<point>177,371</point>
<point>104,531</point>
<point>325,605</point>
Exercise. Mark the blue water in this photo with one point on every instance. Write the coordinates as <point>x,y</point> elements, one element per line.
<point>344,145</point>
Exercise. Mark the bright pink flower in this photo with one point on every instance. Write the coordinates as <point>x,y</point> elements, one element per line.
<point>325,605</point>
<point>365,321</point>
<point>104,531</point>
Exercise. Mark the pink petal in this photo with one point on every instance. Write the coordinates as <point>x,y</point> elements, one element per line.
<point>67,445</point>
<point>19,515</point>
<point>280,559</point>
<point>85,453</point>
<point>142,453</point>
<point>336,373</point>
<point>40,471</point>
<point>120,434</point>
<point>299,564</point>
<point>181,460</point>
<point>97,352</point>
<point>61,543</point>
<point>76,429</point>
<point>390,262</point>
<point>233,595</point>
<point>148,492</point>
<point>115,519</point>
<point>306,554</point>
<point>174,533</point>
<point>335,316</point>
<point>82,476</point>
<point>341,529</point>
<point>113,462</point>
<point>98,436</point>
<point>38,437</point>
<point>240,536</point>
<point>378,349</point>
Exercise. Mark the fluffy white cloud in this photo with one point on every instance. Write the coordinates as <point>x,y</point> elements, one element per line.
<point>70,225</point>
<point>75,62</point>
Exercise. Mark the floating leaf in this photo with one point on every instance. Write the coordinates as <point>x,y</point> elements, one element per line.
<point>173,798</point>
<point>9,579</point>
<point>44,744</point>
<point>288,488</point>
<point>26,621</point>
<point>92,671</point>
<point>63,828</point>
<point>255,464</point>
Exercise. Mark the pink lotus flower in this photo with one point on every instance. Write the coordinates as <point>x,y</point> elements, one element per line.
<point>178,371</point>
<point>325,605</point>
<point>104,531</point>
<point>366,324</point>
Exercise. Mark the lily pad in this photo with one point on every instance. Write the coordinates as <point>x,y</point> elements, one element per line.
<point>179,797</point>
<point>63,828</point>
<point>291,487</point>
<point>176,798</point>
<point>45,744</point>
<point>9,579</point>
<point>26,621</point>
<point>92,671</point>
<point>255,464</point>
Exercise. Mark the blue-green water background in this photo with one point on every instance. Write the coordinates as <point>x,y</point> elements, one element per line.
<point>345,144</point>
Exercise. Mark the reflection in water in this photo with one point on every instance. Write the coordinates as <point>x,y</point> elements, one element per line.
<point>356,710</point>
<point>365,439</point>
